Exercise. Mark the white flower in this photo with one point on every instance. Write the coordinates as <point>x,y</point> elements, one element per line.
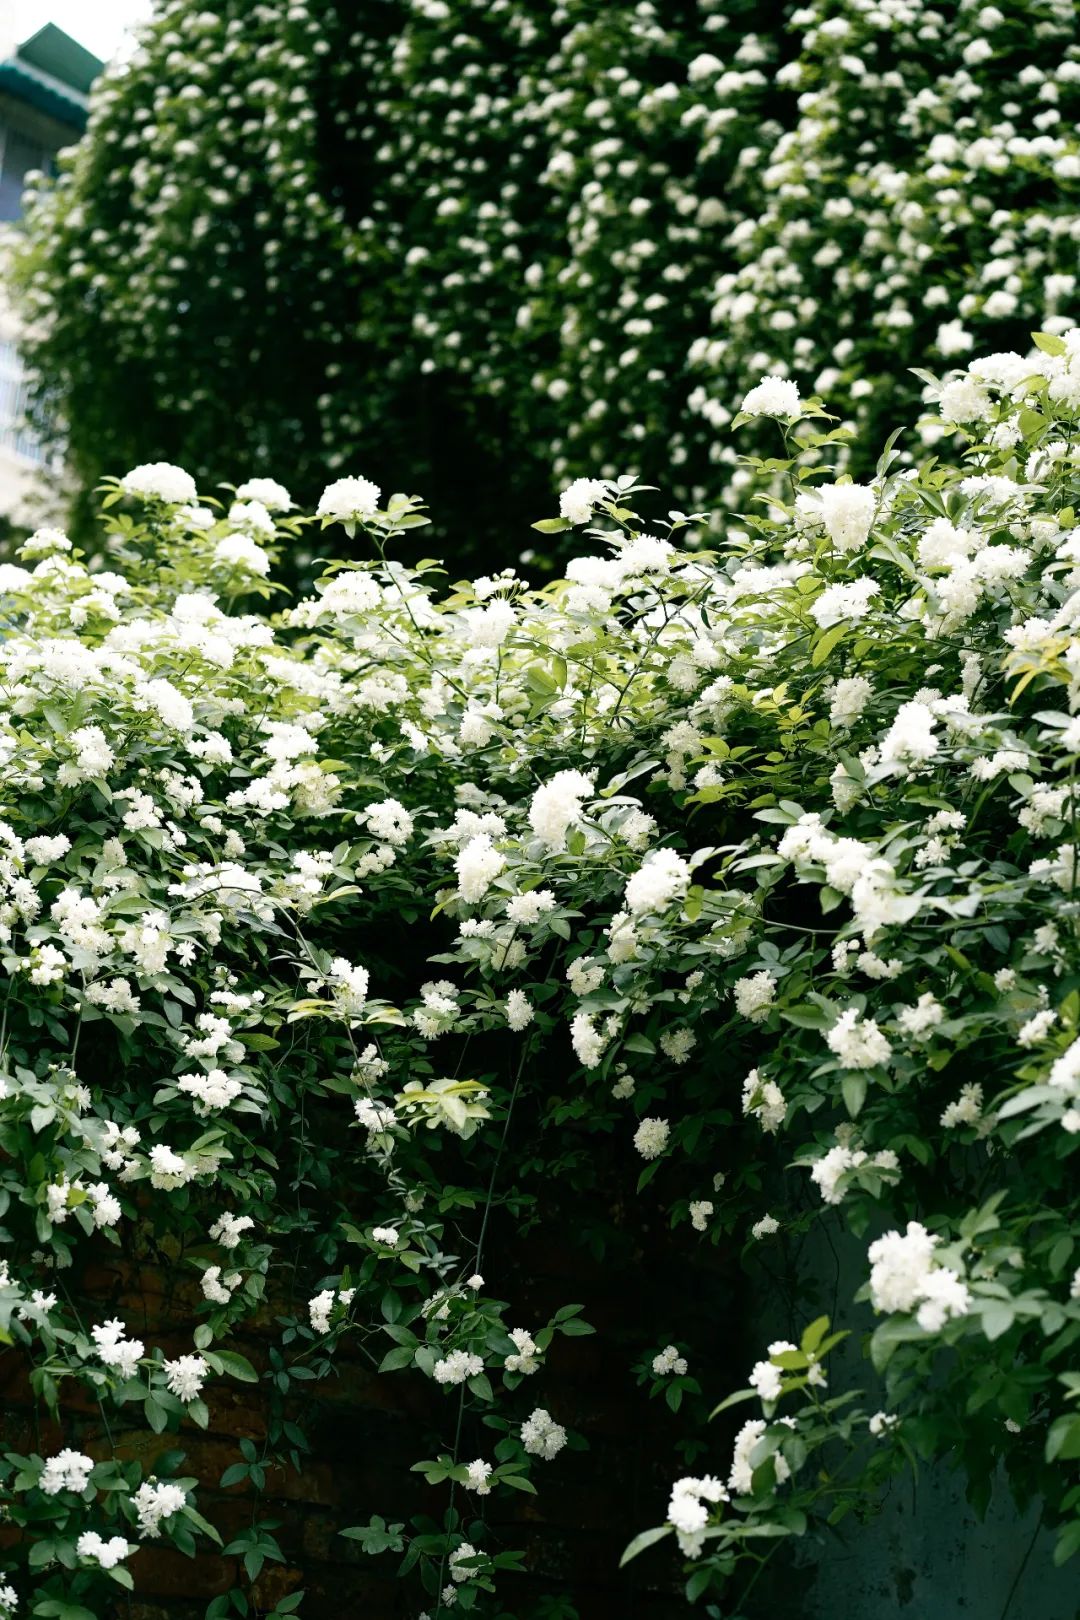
<point>828,1171</point>
<point>274,496</point>
<point>924,1016</point>
<point>587,1040</point>
<point>173,709</point>
<point>350,983</point>
<point>457,1367</point>
<point>217,1288</point>
<point>239,551</point>
<point>677,1044</point>
<point>228,1229</point>
<point>523,1360</point>
<point>477,865</point>
<point>942,1297</point>
<point>663,877</point>
<point>519,1011</point>
<point>348,499</point>
<point>848,699</point>
<point>121,1354</point>
<point>754,996</point>
<point>904,1276</point>
<point>160,481</point>
<point>386,1235</point>
<point>742,1468</point>
<point>186,1376</point>
<point>669,1361</point>
<point>773,396</point>
<point>541,1436</point>
<point>477,1477</point>
<point>459,1557</point>
<point>844,602</point>
<point>67,1471</point>
<point>766,1380</point>
<point>321,1307</point>
<point>700,1210</point>
<point>529,908</point>
<point>107,1210</point>
<point>557,805</point>
<point>1037,1027</point>
<point>765,1101</point>
<point>963,400</point>
<point>765,1227</point>
<point>881,1423</point>
<point>44,543</point>
<point>910,741</point>
<point>156,1500</point>
<point>94,755</point>
<point>389,821</point>
<point>578,499</point>
<point>847,511</point>
<point>704,66</point>
<point>857,1043</point>
<point>211,1091</point>
<point>105,1553</point>
<point>45,850</point>
<point>651,1137</point>
<point>687,1513</point>
<point>489,626</point>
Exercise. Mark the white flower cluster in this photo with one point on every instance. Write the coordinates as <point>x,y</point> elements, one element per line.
<point>542,1436</point>
<point>904,1276</point>
<point>842,935</point>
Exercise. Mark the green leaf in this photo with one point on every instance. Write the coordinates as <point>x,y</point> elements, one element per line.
<point>202,1524</point>
<point>238,1366</point>
<point>646,1538</point>
<point>997,1317</point>
<point>1063,1441</point>
<point>813,1335</point>
<point>156,1415</point>
<point>889,1336</point>
<point>1068,1543</point>
<point>853,1086</point>
<point>826,642</point>
<point>400,1356</point>
<point>739,1396</point>
<point>1049,343</point>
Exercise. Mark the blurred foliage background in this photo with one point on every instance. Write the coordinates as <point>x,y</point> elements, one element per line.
<point>474,247</point>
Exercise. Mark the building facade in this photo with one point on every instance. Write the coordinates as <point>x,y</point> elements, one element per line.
<point>44,95</point>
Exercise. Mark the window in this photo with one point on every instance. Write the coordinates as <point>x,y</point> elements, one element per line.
<point>14,395</point>
<point>18,155</point>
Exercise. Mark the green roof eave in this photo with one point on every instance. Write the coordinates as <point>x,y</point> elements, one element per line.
<point>20,82</point>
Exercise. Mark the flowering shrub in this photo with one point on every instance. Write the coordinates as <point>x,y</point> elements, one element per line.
<point>477,227</point>
<point>772,846</point>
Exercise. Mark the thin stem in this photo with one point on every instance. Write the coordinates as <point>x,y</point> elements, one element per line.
<point>1023,1564</point>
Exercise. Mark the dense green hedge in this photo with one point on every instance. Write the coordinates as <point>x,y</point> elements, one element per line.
<point>462,237</point>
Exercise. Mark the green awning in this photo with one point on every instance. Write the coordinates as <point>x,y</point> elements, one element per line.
<point>53,73</point>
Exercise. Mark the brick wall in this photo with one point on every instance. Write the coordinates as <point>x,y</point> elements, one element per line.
<point>366,1432</point>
